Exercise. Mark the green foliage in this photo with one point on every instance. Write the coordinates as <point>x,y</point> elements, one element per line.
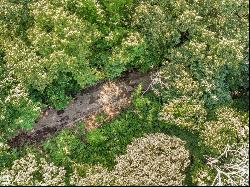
<point>18,111</point>
<point>102,145</point>
<point>50,49</point>
<point>148,161</point>
<point>185,112</point>
<point>54,48</point>
<point>7,156</point>
<point>227,128</point>
<point>203,38</point>
<point>58,93</point>
<point>95,137</point>
<point>63,147</point>
<point>15,15</point>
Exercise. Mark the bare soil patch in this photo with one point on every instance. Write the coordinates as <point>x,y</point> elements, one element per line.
<point>107,97</point>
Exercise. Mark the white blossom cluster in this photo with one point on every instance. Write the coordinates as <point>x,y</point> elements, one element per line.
<point>182,96</point>
<point>185,112</point>
<point>226,129</point>
<point>22,63</point>
<point>24,171</point>
<point>209,47</point>
<point>62,39</point>
<point>3,147</point>
<point>10,11</point>
<point>175,80</point>
<point>156,159</point>
<point>133,39</point>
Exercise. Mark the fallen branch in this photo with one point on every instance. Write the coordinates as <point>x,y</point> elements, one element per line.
<point>235,170</point>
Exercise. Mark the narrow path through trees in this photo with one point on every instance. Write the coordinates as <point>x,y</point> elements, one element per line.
<point>107,97</point>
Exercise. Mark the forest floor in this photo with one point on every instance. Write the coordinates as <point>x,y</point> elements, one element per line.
<point>106,97</point>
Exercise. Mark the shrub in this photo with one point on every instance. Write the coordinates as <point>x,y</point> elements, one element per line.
<point>226,129</point>
<point>18,111</point>
<point>48,46</point>
<point>211,48</point>
<point>27,170</point>
<point>15,17</point>
<point>7,156</point>
<point>52,48</point>
<point>175,80</point>
<point>185,112</point>
<point>155,159</point>
<point>63,147</point>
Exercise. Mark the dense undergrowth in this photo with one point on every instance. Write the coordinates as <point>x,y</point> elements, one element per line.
<point>50,49</point>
